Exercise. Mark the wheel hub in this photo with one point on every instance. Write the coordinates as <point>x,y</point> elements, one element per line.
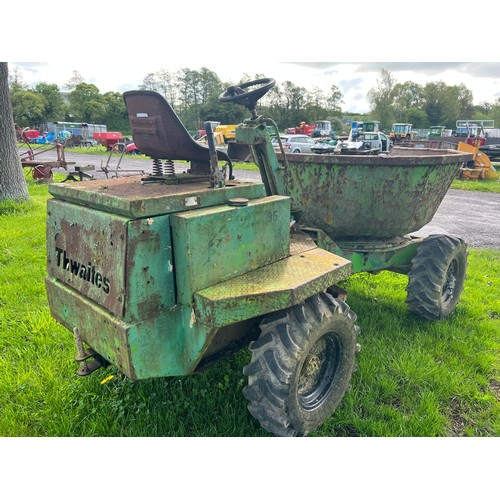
<point>451,281</point>
<point>318,371</point>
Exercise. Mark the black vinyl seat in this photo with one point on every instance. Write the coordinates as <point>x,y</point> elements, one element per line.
<point>159,133</point>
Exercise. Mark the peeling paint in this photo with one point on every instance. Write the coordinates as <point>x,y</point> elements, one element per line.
<point>191,201</point>
<point>192,319</point>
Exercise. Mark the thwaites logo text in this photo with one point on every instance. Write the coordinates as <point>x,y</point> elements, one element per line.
<point>85,272</point>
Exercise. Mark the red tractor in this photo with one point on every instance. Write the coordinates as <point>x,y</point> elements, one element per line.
<point>303,128</point>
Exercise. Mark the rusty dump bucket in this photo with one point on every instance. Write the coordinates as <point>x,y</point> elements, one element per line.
<point>371,197</point>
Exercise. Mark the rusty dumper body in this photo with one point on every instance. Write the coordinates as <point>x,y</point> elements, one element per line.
<point>161,275</point>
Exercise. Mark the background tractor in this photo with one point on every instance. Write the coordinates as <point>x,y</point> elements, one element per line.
<point>401,132</point>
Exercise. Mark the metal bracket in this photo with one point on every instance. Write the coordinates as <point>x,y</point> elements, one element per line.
<point>87,353</point>
<point>86,368</point>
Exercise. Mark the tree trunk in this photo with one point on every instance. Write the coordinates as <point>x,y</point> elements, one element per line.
<point>12,181</point>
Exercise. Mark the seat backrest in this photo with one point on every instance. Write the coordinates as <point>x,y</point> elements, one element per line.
<point>159,133</point>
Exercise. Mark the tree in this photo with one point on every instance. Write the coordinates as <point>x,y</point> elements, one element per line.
<point>337,124</point>
<point>465,100</point>
<point>435,103</point>
<point>163,82</point>
<point>86,102</point>
<point>114,112</point>
<point>483,109</point>
<point>495,111</point>
<point>316,104</point>
<point>12,182</point>
<point>334,101</point>
<point>445,104</point>
<point>28,107</point>
<point>53,100</point>
<point>210,85</point>
<point>188,80</point>
<point>214,110</point>
<point>408,102</point>
<point>272,102</point>
<point>295,100</point>
<point>16,80</point>
<point>381,99</point>
<point>75,80</point>
<point>417,118</point>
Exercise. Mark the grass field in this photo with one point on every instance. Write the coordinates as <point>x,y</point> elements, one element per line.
<point>485,185</point>
<point>414,377</point>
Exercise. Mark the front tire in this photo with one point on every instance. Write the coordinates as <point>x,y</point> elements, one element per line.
<point>301,365</point>
<point>437,276</point>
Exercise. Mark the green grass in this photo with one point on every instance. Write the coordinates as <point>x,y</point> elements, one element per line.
<point>484,185</point>
<point>414,377</point>
<point>74,149</point>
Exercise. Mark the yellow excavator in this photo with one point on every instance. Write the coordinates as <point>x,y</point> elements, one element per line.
<point>478,168</point>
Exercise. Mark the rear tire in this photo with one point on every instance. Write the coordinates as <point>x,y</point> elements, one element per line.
<point>437,276</point>
<point>301,365</point>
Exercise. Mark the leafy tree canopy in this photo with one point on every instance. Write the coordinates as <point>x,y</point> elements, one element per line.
<point>194,96</point>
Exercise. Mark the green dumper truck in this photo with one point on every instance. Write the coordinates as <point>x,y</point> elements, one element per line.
<point>161,275</point>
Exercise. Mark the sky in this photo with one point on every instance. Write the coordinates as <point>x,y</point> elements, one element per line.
<point>353,79</point>
<point>115,49</point>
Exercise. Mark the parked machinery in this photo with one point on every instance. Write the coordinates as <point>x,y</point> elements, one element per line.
<point>401,132</point>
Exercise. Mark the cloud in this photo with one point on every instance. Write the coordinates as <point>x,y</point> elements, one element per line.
<point>351,84</point>
<point>30,67</point>
<point>473,69</point>
<point>483,69</point>
<point>425,68</point>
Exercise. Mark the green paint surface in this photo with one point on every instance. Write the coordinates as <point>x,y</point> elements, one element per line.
<point>124,265</point>
<point>270,288</point>
<point>216,244</point>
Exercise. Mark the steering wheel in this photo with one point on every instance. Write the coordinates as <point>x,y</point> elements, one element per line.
<point>237,94</point>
